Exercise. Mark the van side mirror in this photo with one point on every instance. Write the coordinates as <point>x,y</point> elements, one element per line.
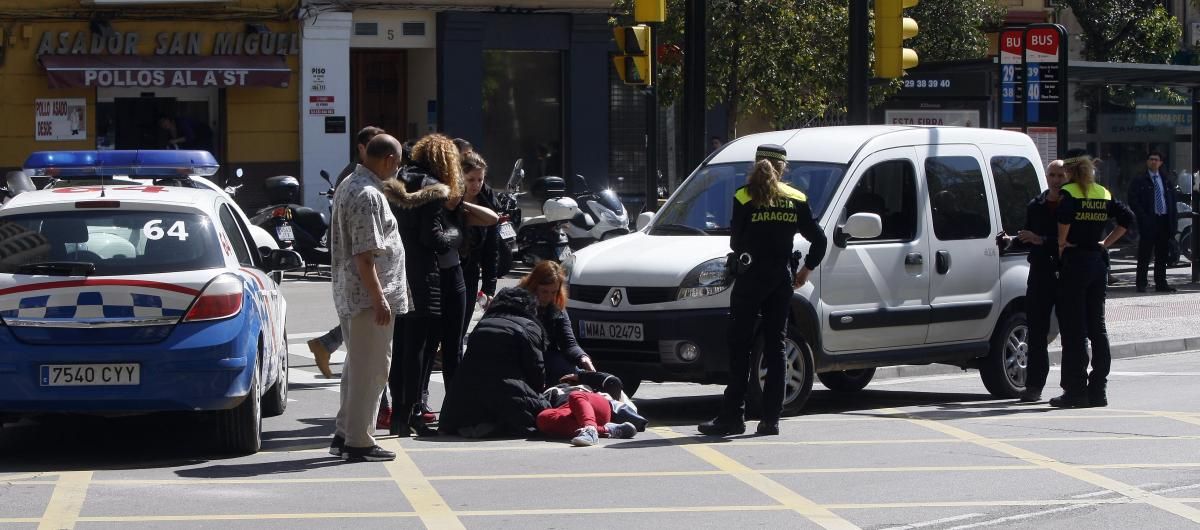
<point>858,226</point>
<point>280,259</point>
<point>643,219</point>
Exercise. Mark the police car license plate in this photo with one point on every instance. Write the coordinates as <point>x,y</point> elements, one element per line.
<point>90,374</point>
<point>627,331</point>
<point>506,231</point>
<point>284,232</point>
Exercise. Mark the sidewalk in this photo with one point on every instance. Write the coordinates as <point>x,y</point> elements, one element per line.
<point>1138,323</point>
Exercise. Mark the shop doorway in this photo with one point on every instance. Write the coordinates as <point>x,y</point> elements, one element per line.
<point>379,91</point>
<point>128,118</point>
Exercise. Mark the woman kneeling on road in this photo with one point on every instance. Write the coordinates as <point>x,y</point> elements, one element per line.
<point>548,282</point>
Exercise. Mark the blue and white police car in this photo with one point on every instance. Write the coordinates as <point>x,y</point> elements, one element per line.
<point>119,296</point>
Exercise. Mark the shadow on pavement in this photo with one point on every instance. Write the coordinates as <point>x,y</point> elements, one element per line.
<point>260,468</point>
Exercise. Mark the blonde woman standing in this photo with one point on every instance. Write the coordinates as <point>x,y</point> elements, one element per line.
<point>767,213</point>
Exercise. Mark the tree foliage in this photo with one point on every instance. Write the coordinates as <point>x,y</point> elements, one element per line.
<point>787,59</point>
<point>1126,31</point>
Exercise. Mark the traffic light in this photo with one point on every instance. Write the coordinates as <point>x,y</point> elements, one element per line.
<point>891,28</point>
<point>650,10</point>
<point>634,60</point>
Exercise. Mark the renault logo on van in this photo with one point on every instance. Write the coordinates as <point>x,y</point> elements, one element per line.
<point>615,297</point>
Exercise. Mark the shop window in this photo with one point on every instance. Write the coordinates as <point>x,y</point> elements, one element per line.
<point>522,113</point>
<point>888,189</point>
<point>957,198</point>
<point>1016,184</point>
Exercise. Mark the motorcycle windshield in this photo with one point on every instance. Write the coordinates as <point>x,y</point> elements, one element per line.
<point>608,199</point>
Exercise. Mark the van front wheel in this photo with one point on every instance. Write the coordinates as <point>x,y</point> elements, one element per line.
<point>797,378</point>
<point>1005,368</point>
<point>847,380</point>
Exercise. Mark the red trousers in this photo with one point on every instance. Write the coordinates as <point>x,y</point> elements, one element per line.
<point>581,409</point>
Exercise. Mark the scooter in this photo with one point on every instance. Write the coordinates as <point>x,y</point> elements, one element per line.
<point>297,227</point>
<point>601,215</point>
<point>510,219</point>
<point>1181,241</point>
<point>544,237</point>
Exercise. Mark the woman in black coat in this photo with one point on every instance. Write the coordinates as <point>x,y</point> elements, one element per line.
<point>498,386</point>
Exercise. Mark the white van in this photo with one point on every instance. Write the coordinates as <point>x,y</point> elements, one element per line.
<point>913,274</point>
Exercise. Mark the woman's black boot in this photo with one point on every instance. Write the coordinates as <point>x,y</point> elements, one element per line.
<point>416,423</point>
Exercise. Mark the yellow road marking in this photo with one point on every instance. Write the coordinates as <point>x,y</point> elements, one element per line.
<point>1096,479</point>
<point>27,476</point>
<point>67,500</point>
<point>241,517</point>
<point>425,500</point>
<point>800,504</point>
<point>1179,417</point>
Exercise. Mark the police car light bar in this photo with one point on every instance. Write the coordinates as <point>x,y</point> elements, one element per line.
<point>90,164</point>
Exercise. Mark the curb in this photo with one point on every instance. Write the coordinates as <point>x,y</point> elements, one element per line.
<point>1119,351</point>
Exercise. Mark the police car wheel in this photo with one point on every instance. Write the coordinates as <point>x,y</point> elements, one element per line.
<point>240,428</point>
<point>797,380</point>
<point>847,380</point>
<point>275,402</point>
<point>1005,368</point>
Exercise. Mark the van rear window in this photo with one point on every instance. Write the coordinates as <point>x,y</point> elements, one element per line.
<point>107,243</point>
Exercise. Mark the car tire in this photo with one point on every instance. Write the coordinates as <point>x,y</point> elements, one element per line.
<point>275,402</point>
<point>240,428</point>
<point>1005,368</point>
<point>847,380</point>
<point>798,380</point>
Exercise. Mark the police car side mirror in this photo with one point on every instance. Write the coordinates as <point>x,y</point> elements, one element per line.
<point>281,259</point>
<point>643,219</point>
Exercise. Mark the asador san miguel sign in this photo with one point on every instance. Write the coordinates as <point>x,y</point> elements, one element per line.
<point>84,59</point>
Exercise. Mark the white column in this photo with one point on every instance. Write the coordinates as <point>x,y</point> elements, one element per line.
<point>324,102</point>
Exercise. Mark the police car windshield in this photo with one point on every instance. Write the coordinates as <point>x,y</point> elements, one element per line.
<point>704,204</point>
<point>114,242</point>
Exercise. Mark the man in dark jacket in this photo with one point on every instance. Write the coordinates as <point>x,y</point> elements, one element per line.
<point>498,386</point>
<point>1152,199</point>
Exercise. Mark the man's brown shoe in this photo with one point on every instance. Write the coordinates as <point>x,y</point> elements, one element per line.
<point>321,354</point>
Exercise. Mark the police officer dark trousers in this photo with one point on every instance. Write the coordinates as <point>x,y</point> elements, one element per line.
<point>766,214</point>
<point>1040,234</point>
<point>1083,281</point>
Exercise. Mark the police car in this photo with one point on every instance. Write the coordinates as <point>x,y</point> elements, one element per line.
<point>119,296</point>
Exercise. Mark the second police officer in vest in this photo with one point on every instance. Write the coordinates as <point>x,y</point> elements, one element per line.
<point>767,213</point>
<point>1083,281</point>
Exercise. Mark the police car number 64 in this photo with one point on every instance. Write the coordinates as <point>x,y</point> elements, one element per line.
<point>628,331</point>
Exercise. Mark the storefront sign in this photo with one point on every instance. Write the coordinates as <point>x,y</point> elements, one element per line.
<point>60,119</point>
<point>958,118</point>
<point>157,71</point>
<point>1012,76</point>
<point>169,43</point>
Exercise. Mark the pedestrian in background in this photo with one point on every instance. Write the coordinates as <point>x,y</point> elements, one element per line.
<point>1084,209</point>
<point>1041,235</point>
<point>1152,198</point>
<point>369,289</point>
<point>323,347</point>
<point>767,213</point>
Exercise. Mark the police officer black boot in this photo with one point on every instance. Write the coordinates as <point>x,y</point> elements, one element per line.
<point>767,428</point>
<point>722,426</point>
<point>1070,400</point>
<point>1097,396</point>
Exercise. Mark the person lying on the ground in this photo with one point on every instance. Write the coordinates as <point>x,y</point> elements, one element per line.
<point>623,409</point>
<point>498,386</point>
<point>583,418</point>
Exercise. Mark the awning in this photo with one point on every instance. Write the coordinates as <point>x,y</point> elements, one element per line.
<point>224,71</point>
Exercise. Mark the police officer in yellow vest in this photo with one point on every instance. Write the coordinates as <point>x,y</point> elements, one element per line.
<point>767,213</point>
<point>1086,207</point>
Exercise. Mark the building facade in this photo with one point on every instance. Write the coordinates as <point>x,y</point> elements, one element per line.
<point>130,74</point>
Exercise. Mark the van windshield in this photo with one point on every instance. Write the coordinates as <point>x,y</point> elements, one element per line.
<point>704,204</point>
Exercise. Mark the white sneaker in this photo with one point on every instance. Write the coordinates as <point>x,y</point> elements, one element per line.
<point>586,437</point>
<point>621,430</point>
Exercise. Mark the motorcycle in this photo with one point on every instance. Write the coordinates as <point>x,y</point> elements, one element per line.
<point>510,219</point>
<point>293,226</point>
<point>601,215</point>
<point>565,221</point>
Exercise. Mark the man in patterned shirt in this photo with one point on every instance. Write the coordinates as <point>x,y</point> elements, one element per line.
<point>369,290</point>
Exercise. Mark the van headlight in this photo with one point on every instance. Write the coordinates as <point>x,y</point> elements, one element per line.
<point>706,279</point>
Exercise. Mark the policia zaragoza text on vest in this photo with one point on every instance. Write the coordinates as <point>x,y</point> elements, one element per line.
<point>767,213</point>
<point>1083,281</point>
